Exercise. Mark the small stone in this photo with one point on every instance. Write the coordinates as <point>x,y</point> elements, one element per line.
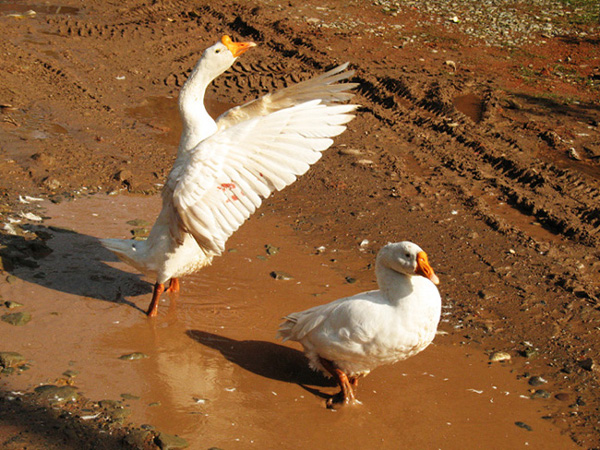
<point>574,154</point>
<point>133,356</point>
<point>500,357</point>
<point>10,359</point>
<point>127,396</point>
<point>529,352</point>
<point>271,249</point>
<point>109,404</point>
<point>12,305</point>
<point>71,373</point>
<point>138,438</point>
<point>140,223</point>
<point>10,279</point>
<point>119,414</point>
<point>140,233</point>
<point>562,396</point>
<point>51,183</point>
<point>523,425</point>
<point>540,393</point>
<point>17,319</point>
<point>350,280</point>
<point>279,275</point>
<point>57,394</point>
<point>350,151</point>
<point>483,294</point>
<point>170,442</point>
<point>536,381</point>
<point>587,364</point>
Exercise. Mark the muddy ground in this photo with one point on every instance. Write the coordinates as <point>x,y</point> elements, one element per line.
<point>485,152</point>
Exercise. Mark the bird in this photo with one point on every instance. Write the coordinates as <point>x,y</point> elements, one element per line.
<point>351,336</point>
<point>226,167</point>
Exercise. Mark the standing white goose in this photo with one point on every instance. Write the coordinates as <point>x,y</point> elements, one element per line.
<point>351,336</point>
<point>225,168</point>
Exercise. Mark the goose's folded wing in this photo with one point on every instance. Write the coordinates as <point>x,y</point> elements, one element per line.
<point>325,87</point>
<point>229,174</point>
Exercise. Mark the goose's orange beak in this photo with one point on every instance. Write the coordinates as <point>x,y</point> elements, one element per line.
<point>424,269</point>
<point>236,48</point>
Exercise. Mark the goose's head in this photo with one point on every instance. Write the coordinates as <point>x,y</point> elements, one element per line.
<point>407,258</point>
<point>221,56</point>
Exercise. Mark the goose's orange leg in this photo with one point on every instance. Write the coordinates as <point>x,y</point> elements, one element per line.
<point>159,288</point>
<point>173,285</point>
<point>346,394</point>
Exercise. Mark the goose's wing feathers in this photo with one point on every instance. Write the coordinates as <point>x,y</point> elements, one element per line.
<point>226,176</point>
<point>326,87</point>
<point>350,320</point>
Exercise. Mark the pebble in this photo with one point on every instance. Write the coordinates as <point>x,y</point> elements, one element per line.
<point>587,364</point>
<point>10,359</point>
<point>17,319</point>
<point>12,305</point>
<point>280,275</point>
<point>138,438</point>
<point>170,442</point>
<point>127,396</point>
<point>133,356</point>
<point>350,151</point>
<point>524,426</point>
<point>70,373</point>
<point>540,393</point>
<point>141,223</point>
<point>562,396</point>
<point>140,233</point>
<point>499,357</point>
<point>271,249</point>
<point>536,381</point>
<point>57,394</point>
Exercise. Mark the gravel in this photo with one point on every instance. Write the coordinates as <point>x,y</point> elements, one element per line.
<point>499,22</point>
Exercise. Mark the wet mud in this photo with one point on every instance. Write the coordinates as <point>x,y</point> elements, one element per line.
<point>486,156</point>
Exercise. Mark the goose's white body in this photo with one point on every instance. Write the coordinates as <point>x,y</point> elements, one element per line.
<point>225,168</point>
<point>359,333</point>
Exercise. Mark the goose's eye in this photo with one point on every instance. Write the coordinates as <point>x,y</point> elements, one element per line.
<point>407,255</point>
<point>218,50</point>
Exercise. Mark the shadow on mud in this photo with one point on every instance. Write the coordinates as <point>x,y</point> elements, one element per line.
<point>266,359</point>
<point>69,262</point>
<point>583,111</point>
<point>50,426</point>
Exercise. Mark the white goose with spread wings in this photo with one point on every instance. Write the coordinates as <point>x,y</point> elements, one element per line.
<point>225,168</point>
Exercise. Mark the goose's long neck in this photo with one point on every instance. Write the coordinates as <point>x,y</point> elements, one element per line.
<point>197,123</point>
<point>393,285</point>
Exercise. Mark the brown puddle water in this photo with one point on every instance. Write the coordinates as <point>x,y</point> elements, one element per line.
<point>162,115</point>
<point>470,105</point>
<point>216,376</point>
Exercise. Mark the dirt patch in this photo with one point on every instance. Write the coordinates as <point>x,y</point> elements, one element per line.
<point>484,151</point>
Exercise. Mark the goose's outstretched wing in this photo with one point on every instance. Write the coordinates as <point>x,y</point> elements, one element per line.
<point>326,87</point>
<point>226,177</point>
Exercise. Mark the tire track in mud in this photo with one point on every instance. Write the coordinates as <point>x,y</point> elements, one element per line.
<point>563,201</point>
